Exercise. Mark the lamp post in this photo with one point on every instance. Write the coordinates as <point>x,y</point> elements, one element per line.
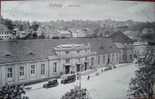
<point>79,78</point>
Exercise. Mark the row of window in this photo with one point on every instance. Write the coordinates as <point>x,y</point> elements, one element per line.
<point>4,32</point>
<point>4,37</point>
<point>78,51</point>
<point>68,59</point>
<point>33,70</point>
<point>112,58</point>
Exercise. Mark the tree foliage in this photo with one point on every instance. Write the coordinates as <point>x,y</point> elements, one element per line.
<point>9,24</point>
<point>12,92</point>
<point>35,26</point>
<point>31,36</point>
<point>42,36</point>
<point>142,85</point>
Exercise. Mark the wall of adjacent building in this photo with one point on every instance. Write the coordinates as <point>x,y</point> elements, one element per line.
<point>17,78</point>
<point>5,35</point>
<point>114,58</point>
<point>94,60</point>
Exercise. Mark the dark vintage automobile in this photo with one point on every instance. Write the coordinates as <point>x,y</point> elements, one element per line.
<point>114,67</point>
<point>68,78</point>
<point>108,68</point>
<point>28,88</point>
<point>52,83</point>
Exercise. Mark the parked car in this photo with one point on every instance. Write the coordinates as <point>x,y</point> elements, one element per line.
<point>108,68</point>
<point>28,88</point>
<point>114,66</point>
<point>52,83</point>
<point>68,78</point>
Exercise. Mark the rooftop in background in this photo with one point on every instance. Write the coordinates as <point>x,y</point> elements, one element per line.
<point>121,38</point>
<point>40,49</point>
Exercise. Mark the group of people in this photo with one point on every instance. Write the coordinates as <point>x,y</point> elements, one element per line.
<point>76,93</point>
<point>12,92</point>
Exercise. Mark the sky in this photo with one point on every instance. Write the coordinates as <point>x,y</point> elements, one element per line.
<point>47,10</point>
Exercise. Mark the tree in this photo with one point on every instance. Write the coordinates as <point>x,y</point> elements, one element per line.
<point>9,24</point>
<point>42,36</point>
<point>31,36</point>
<point>142,85</point>
<point>35,26</point>
<point>34,35</point>
<point>12,92</point>
<point>21,27</point>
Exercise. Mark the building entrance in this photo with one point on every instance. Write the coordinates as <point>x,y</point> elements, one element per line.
<point>78,67</point>
<point>86,65</point>
<point>67,69</point>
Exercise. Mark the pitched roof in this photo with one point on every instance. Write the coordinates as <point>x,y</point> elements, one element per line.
<point>28,50</point>
<point>121,38</point>
<point>119,45</point>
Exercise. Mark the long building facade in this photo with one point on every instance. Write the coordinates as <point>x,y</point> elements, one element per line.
<point>33,60</point>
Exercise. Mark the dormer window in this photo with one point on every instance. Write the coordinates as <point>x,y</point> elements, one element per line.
<point>101,47</point>
<point>7,55</point>
<point>31,53</point>
<point>55,53</point>
<point>78,51</point>
<point>67,52</point>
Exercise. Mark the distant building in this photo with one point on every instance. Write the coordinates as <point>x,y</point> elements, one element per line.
<point>5,33</point>
<point>121,38</point>
<point>21,34</point>
<point>64,33</point>
<point>125,44</point>
<point>24,61</point>
<point>126,52</point>
<point>78,32</point>
<point>132,34</point>
<point>72,58</point>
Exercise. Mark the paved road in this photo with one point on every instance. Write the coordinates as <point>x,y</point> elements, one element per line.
<point>112,84</point>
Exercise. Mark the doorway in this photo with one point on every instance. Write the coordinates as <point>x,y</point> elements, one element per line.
<point>86,65</point>
<point>67,69</point>
<point>78,67</point>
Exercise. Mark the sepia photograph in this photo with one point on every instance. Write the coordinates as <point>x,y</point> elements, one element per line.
<point>77,49</point>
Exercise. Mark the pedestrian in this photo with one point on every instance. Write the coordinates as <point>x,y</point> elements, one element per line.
<point>88,77</point>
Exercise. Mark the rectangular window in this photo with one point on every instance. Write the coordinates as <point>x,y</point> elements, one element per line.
<point>103,59</point>
<point>21,71</point>
<point>78,51</point>
<point>98,59</point>
<point>130,57</point>
<point>10,72</point>
<point>55,67</point>
<point>68,60</point>
<point>42,69</point>
<point>67,52</point>
<point>92,61</point>
<point>86,58</point>
<point>32,69</point>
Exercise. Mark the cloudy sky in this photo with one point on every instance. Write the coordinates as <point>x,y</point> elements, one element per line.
<point>78,9</point>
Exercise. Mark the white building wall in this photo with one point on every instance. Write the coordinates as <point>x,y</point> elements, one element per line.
<point>58,68</point>
<point>5,35</point>
<point>1,76</point>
